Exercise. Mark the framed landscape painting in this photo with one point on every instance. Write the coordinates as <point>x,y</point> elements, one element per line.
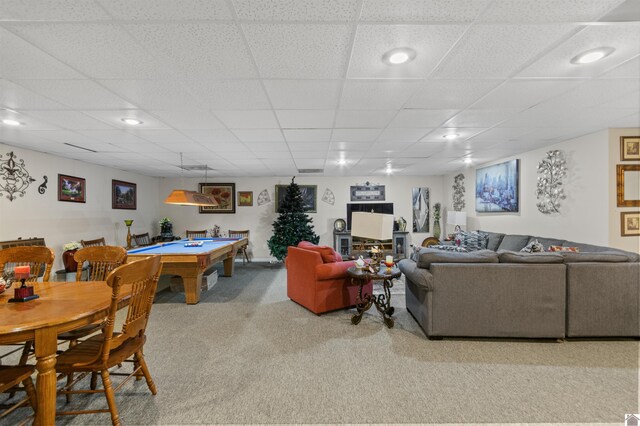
<point>630,224</point>
<point>71,188</point>
<point>223,193</point>
<point>630,148</point>
<point>498,188</point>
<point>123,195</point>
<point>309,197</point>
<point>245,198</point>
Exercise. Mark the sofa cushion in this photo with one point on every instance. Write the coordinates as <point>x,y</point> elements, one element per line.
<point>507,256</point>
<point>546,242</point>
<point>418,276</point>
<point>514,242</point>
<point>590,248</point>
<point>449,247</point>
<point>327,253</point>
<point>473,240</point>
<point>602,256</point>
<point>429,256</point>
<point>495,238</point>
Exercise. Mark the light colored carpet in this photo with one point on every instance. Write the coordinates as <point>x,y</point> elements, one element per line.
<point>247,354</point>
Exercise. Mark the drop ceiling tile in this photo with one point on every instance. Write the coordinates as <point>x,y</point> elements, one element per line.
<point>522,94</point>
<point>437,135</point>
<point>355,135</point>
<point>72,120</point>
<point>152,94</point>
<point>625,38</point>
<point>450,94</point>
<point>186,147</point>
<point>52,10</point>
<point>351,146</point>
<point>632,120</point>
<point>219,148</point>
<point>363,119</point>
<point>480,117</point>
<point>143,147</point>
<point>229,94</point>
<point>127,10</point>
<point>17,97</point>
<point>161,136</point>
<point>277,148</point>
<point>305,119</point>
<point>495,51</point>
<point>430,43</point>
<point>630,69</point>
<point>114,118</point>
<point>102,50</point>
<point>422,117</point>
<point>309,163</point>
<point>422,10</point>
<point>181,46</point>
<point>297,10</point>
<point>630,101</point>
<point>380,94</point>
<point>29,122</point>
<point>421,149</point>
<point>303,94</point>
<point>500,134</point>
<point>119,137</point>
<point>526,11</point>
<point>307,135</point>
<point>259,135</point>
<point>66,136</point>
<point>77,94</point>
<point>299,51</point>
<point>595,92</point>
<point>210,135</point>
<point>302,154</point>
<point>258,119</point>
<point>188,118</point>
<point>319,149</point>
<point>398,135</point>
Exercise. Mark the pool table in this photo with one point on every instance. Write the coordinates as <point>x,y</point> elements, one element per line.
<point>191,262</point>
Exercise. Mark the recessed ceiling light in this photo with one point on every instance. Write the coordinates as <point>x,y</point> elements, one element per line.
<point>132,121</point>
<point>399,56</point>
<point>9,122</point>
<point>342,161</point>
<point>451,136</point>
<point>592,55</point>
<point>467,160</point>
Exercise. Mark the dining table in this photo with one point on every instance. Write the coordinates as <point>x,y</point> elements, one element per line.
<point>60,307</point>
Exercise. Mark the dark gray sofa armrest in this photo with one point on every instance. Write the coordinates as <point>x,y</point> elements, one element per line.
<point>418,276</point>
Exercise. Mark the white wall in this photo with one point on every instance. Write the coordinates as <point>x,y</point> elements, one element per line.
<point>584,215</point>
<point>615,238</point>
<point>259,219</point>
<point>36,215</point>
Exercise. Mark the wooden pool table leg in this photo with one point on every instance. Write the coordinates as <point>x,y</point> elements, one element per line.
<point>228,263</point>
<point>192,288</point>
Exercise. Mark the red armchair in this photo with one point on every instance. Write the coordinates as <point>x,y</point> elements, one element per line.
<point>317,279</point>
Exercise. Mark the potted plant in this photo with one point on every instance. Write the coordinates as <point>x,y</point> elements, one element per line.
<point>166,227</point>
<point>69,250</point>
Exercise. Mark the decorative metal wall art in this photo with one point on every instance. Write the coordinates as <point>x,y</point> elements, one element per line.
<point>43,186</point>
<point>420,203</point>
<point>328,197</point>
<point>458,193</point>
<point>367,192</point>
<point>551,171</point>
<point>14,177</point>
<point>263,197</point>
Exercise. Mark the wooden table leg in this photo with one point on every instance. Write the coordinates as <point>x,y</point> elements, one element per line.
<point>192,288</point>
<point>228,263</point>
<point>46,345</point>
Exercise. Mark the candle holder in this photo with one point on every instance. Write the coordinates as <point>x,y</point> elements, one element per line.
<point>128,222</point>
<point>23,293</point>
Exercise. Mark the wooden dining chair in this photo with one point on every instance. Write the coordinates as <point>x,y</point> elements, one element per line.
<point>142,239</point>
<point>91,243</point>
<point>197,234</point>
<point>39,258</point>
<point>10,379</point>
<point>103,351</point>
<point>243,249</point>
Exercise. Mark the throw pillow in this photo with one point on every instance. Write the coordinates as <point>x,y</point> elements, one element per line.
<point>327,253</point>
<point>561,248</point>
<point>533,247</point>
<point>473,240</point>
<point>449,248</point>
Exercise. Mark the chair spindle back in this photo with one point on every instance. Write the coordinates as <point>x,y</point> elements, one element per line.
<point>39,258</point>
<point>102,260</point>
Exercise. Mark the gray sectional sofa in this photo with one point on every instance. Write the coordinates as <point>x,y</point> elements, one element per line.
<point>503,292</point>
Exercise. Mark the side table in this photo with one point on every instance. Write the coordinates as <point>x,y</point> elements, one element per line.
<point>382,301</point>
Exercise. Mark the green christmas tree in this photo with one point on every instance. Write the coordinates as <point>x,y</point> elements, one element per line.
<point>293,224</point>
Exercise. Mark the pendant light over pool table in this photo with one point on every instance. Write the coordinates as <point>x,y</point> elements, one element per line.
<point>184,197</point>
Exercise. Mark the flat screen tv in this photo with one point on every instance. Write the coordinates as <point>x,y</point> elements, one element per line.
<point>367,207</point>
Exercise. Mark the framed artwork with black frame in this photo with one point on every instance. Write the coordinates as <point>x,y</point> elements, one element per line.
<point>629,148</point>
<point>124,195</point>
<point>223,193</point>
<point>72,189</point>
<point>309,197</point>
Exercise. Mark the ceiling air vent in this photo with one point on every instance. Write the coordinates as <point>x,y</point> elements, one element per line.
<point>310,171</point>
<point>195,167</point>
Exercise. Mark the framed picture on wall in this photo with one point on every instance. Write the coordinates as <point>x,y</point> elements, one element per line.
<point>71,188</point>
<point>498,188</point>
<point>309,197</point>
<point>630,224</point>
<point>123,195</point>
<point>223,193</point>
<point>628,185</point>
<point>245,198</point>
<point>630,148</point>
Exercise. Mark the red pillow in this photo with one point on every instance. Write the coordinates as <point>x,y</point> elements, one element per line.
<point>327,253</point>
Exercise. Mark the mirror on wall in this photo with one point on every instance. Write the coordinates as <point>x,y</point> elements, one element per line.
<point>628,185</point>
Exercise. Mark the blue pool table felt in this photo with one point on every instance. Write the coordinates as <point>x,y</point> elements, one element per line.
<point>177,247</point>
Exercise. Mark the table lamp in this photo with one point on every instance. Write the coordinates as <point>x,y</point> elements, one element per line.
<point>457,219</point>
<point>128,222</point>
<point>373,226</point>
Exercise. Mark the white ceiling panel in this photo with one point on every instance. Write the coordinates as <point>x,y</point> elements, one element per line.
<point>303,94</point>
<point>114,118</point>
<point>52,10</point>
<point>188,118</point>
<point>299,51</point>
<point>210,135</point>
<point>630,69</point>
<point>522,94</point>
<point>73,120</point>
<point>182,46</point>
<point>143,147</point>
<point>450,94</point>
<point>229,94</point>
<point>161,136</point>
<point>151,94</point>
<point>307,135</point>
<point>494,51</point>
<point>273,147</point>
<point>431,43</point>
<point>500,134</point>
<point>351,147</point>
<point>630,101</point>
<point>355,135</point>
<point>137,10</point>
<point>437,135</point>
<point>248,119</point>
<point>399,135</point>
<point>17,97</point>
<point>95,49</point>
<point>363,119</point>
<point>116,137</point>
<point>540,11</point>
<point>422,10</point>
<point>595,92</point>
<point>302,154</point>
<point>625,38</point>
<point>29,122</point>
<point>480,117</point>
<point>305,119</point>
<point>259,135</point>
<point>379,94</point>
<point>297,10</point>
<point>67,136</point>
<point>309,163</point>
<point>408,118</point>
